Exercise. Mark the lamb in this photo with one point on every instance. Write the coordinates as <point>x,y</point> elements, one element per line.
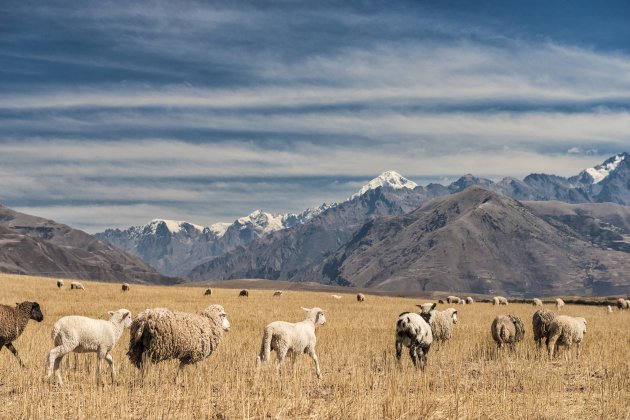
<point>59,284</point>
<point>559,304</point>
<point>622,304</point>
<point>160,334</point>
<point>541,321</point>
<point>414,331</point>
<point>507,330</point>
<point>537,302</point>
<point>565,330</point>
<point>13,322</point>
<point>80,334</point>
<point>499,300</point>
<point>244,293</point>
<point>470,300</point>
<point>277,293</point>
<point>208,292</point>
<point>452,299</point>
<point>360,297</point>
<point>125,287</point>
<point>75,285</point>
<point>441,321</point>
<point>293,338</point>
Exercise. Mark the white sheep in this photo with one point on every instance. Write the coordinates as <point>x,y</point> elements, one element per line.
<point>414,331</point>
<point>565,330</point>
<point>537,302</point>
<point>125,287</point>
<point>75,285</point>
<point>293,338</point>
<point>81,334</point>
<point>499,300</point>
<point>622,304</point>
<point>441,322</point>
<point>360,297</point>
<point>470,300</point>
<point>507,330</point>
<point>336,297</point>
<point>559,304</point>
<point>452,299</point>
<point>59,284</point>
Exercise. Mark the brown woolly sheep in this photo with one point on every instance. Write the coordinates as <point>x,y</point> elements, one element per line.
<point>277,293</point>
<point>507,330</point>
<point>360,297</point>
<point>125,287</point>
<point>244,292</point>
<point>541,320</point>
<point>208,292</point>
<point>13,322</point>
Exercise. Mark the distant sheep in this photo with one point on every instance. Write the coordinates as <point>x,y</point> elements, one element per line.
<point>627,304</point>
<point>541,321</point>
<point>470,300</point>
<point>537,302</point>
<point>13,321</point>
<point>414,331</point>
<point>277,293</point>
<point>75,285</point>
<point>336,297</point>
<point>559,304</point>
<point>244,293</point>
<point>81,334</point>
<point>360,297</point>
<point>440,301</point>
<point>161,334</point>
<point>507,330</point>
<point>452,299</point>
<point>208,292</point>
<point>566,330</point>
<point>609,309</point>
<point>622,304</point>
<point>293,338</point>
<point>59,284</point>
<point>499,300</point>
<point>441,322</point>
<point>125,287</point>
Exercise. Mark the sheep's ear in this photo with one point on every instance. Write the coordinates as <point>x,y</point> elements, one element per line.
<point>111,313</point>
<point>433,306</point>
<point>126,314</point>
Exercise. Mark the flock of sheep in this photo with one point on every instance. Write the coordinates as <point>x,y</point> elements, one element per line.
<point>159,334</point>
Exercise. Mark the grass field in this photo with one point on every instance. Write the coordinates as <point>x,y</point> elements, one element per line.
<point>466,378</point>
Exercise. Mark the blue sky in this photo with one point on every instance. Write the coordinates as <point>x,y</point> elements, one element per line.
<point>113,113</point>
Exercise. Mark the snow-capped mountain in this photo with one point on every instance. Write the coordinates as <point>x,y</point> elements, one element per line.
<point>390,179</point>
<point>601,172</point>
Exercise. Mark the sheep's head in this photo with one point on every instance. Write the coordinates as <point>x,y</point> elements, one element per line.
<point>427,311</point>
<point>583,323</point>
<point>33,309</point>
<point>121,316</point>
<point>454,315</point>
<point>218,313</point>
<point>316,315</point>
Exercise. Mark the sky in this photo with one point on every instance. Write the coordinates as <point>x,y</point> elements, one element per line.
<point>113,113</point>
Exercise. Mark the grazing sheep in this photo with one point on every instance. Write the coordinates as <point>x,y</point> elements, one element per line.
<point>541,320</point>
<point>243,292</point>
<point>13,322</point>
<point>360,297</point>
<point>499,300</point>
<point>441,321</point>
<point>440,301</point>
<point>277,293</point>
<point>80,334</point>
<point>470,300</point>
<point>59,284</point>
<point>565,330</point>
<point>336,297</point>
<point>609,309</point>
<point>75,285</point>
<point>414,331</point>
<point>622,304</point>
<point>293,338</point>
<point>452,299</point>
<point>507,330</point>
<point>125,287</point>
<point>159,334</point>
<point>208,292</point>
<point>537,302</point>
<point>559,304</point>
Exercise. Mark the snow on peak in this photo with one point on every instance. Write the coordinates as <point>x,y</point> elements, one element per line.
<point>173,226</point>
<point>600,172</point>
<point>391,179</point>
<point>219,229</point>
<point>265,222</point>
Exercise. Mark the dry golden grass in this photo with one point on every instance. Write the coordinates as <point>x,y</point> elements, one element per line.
<point>466,378</point>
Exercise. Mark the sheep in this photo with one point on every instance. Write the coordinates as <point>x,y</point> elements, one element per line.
<point>293,338</point>
<point>244,293</point>
<point>336,297</point>
<point>125,287</point>
<point>470,300</point>
<point>462,301</point>
<point>452,299</point>
<point>507,330</point>
<point>13,322</point>
<point>208,292</point>
<point>541,320</point>
<point>565,330</point>
<point>622,304</point>
<point>609,309</point>
<point>75,285</point>
<point>499,300</point>
<point>277,293</point>
<point>160,334</point>
<point>360,297</point>
<point>441,321</point>
<point>440,301</point>
<point>414,331</point>
<point>559,304</point>
<point>80,334</point>
<point>59,284</point>
<point>627,304</point>
<point>537,302</point>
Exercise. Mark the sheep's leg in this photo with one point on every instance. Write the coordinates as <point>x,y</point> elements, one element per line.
<point>110,360</point>
<point>100,355</point>
<point>58,370</point>
<point>412,354</point>
<point>15,353</point>
<point>578,350</point>
<point>551,345</point>
<point>399,347</point>
<point>54,358</point>
<point>311,352</point>
<point>181,367</point>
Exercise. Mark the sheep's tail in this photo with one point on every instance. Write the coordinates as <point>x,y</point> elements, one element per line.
<point>265,346</point>
<point>138,340</point>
